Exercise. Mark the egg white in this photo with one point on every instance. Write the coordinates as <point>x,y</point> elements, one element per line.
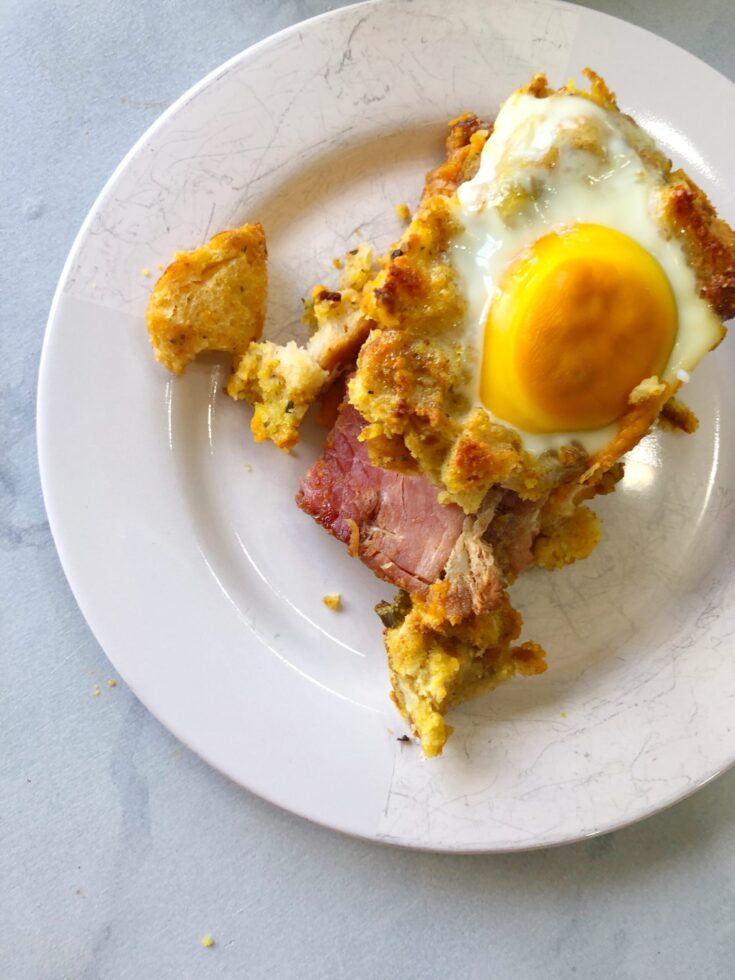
<point>620,194</point>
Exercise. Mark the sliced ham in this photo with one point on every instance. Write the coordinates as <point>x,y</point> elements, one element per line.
<point>393,522</point>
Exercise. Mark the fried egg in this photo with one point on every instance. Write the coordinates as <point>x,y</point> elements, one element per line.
<point>577,301</point>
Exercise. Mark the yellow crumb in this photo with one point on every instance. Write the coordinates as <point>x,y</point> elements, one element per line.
<point>403,211</point>
<point>333,601</point>
<point>208,940</point>
<point>146,272</point>
<point>563,714</point>
<point>337,263</point>
<point>159,267</point>
<point>112,682</point>
<point>247,467</point>
<point>96,691</point>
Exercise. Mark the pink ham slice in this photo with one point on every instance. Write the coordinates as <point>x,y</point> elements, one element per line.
<point>400,529</point>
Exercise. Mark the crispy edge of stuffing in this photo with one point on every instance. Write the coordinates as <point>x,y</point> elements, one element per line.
<point>708,241</point>
<point>677,417</point>
<point>211,298</point>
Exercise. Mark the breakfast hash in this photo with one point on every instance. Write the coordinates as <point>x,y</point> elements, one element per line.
<point>554,289</point>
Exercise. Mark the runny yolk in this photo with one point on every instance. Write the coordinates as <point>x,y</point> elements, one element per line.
<point>580,319</point>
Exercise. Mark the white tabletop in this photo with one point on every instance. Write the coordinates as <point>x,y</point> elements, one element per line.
<point>119,849</point>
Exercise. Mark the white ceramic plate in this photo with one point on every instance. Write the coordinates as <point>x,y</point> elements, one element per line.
<point>202,580</point>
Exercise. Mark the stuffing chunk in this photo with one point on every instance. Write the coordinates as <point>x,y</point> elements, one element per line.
<point>434,665</point>
<point>571,540</point>
<point>281,382</point>
<point>212,298</point>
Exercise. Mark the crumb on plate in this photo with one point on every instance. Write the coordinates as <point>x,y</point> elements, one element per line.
<point>333,600</point>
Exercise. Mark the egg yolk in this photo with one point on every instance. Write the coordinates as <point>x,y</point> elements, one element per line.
<point>580,319</point>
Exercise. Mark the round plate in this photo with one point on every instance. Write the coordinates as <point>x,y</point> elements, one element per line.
<point>180,538</point>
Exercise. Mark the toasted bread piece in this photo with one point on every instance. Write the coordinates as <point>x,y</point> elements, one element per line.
<point>210,299</point>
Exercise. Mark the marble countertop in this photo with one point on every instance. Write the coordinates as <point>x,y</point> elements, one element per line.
<point>119,849</point>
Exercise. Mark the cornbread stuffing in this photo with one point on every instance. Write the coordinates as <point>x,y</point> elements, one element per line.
<point>333,601</point>
<point>434,664</point>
